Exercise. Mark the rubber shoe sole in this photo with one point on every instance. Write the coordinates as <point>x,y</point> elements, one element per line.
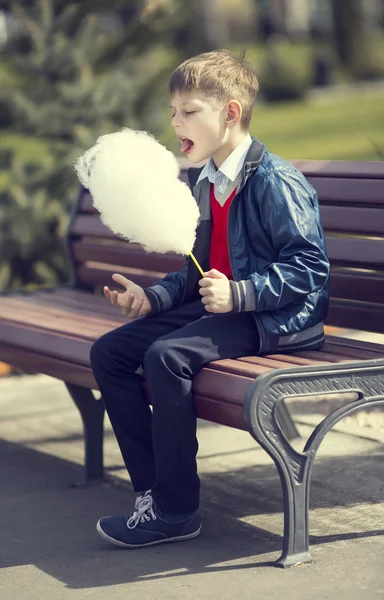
<point>179,538</point>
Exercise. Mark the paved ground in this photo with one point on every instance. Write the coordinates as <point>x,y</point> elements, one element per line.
<point>49,548</point>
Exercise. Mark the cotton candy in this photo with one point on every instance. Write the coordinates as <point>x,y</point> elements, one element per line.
<point>134,184</point>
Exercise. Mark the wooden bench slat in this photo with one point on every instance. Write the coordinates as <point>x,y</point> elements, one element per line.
<point>75,327</point>
<point>351,351</point>
<point>10,307</point>
<point>235,367</point>
<point>90,226</point>
<point>351,315</point>
<point>353,252</point>
<point>348,191</point>
<point>227,387</point>
<point>266,361</point>
<point>292,359</point>
<point>124,255</point>
<point>83,301</point>
<point>37,362</point>
<point>357,220</point>
<point>360,344</point>
<point>46,342</point>
<point>335,168</point>
<point>215,411</point>
<point>357,285</point>
<point>86,203</point>
<point>92,276</point>
<point>327,356</point>
<point>89,304</point>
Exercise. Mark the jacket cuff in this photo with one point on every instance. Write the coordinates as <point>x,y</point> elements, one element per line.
<point>159,299</point>
<point>244,296</point>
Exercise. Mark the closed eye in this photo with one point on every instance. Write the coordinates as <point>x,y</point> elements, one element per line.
<point>191,112</point>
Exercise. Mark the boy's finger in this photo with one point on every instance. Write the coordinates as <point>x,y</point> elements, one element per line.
<point>126,304</point>
<point>108,294</point>
<point>136,306</point>
<point>206,282</point>
<point>121,280</point>
<point>215,274</point>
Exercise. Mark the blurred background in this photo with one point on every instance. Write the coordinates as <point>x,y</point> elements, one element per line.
<point>71,71</point>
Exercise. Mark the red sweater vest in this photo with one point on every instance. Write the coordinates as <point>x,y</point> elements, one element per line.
<point>219,256</point>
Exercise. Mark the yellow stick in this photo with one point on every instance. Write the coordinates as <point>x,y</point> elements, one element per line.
<point>197,264</point>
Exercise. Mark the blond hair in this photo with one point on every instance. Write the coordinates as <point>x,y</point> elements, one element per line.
<point>219,75</point>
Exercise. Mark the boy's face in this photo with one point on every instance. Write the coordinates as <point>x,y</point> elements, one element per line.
<point>199,124</point>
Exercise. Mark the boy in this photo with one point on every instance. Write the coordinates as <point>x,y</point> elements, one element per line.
<point>261,245</point>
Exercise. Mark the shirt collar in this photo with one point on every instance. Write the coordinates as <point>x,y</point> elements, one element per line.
<point>232,165</point>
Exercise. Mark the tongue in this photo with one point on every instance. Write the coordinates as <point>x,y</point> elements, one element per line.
<point>186,145</point>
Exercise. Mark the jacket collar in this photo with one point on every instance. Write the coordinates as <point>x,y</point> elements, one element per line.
<point>252,160</point>
<point>232,164</point>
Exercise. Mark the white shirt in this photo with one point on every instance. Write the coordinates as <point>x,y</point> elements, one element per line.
<point>225,178</point>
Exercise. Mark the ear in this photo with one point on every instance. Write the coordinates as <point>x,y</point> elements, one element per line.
<point>234,113</point>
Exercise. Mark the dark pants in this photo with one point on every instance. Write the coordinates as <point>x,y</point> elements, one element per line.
<point>159,447</point>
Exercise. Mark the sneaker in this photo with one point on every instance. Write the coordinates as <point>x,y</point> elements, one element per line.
<point>146,528</point>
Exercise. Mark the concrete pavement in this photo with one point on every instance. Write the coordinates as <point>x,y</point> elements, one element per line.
<point>49,549</point>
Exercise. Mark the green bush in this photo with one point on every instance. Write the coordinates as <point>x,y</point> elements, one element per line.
<point>281,78</point>
<point>70,83</point>
<point>368,65</point>
<point>32,226</point>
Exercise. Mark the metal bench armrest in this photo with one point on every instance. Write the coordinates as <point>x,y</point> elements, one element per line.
<point>365,378</point>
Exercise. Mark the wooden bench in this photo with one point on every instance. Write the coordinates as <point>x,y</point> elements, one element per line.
<point>51,331</point>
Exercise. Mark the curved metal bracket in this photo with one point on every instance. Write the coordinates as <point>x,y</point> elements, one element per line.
<point>366,378</point>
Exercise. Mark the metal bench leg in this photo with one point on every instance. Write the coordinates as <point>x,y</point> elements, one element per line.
<point>365,380</point>
<point>92,414</point>
<point>285,421</point>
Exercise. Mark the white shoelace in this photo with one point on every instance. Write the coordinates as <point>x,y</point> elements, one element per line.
<point>139,499</point>
<point>143,513</point>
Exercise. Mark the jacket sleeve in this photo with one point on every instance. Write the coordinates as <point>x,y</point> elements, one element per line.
<point>168,292</point>
<point>290,217</point>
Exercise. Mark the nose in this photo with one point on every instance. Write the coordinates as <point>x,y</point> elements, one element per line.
<point>175,121</point>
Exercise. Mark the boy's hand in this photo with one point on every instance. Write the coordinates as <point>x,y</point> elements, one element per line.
<point>216,291</point>
<point>133,302</point>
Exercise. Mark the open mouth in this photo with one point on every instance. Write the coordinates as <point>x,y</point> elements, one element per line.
<point>186,145</point>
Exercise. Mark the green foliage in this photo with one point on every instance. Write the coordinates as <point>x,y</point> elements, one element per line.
<point>348,126</point>
<point>68,82</point>
<point>368,63</point>
<point>280,78</point>
<point>357,48</point>
<point>32,227</point>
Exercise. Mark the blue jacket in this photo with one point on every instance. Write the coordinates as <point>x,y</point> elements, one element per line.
<point>277,254</point>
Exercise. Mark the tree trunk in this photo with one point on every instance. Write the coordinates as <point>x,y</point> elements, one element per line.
<point>349,31</point>
<point>210,25</point>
